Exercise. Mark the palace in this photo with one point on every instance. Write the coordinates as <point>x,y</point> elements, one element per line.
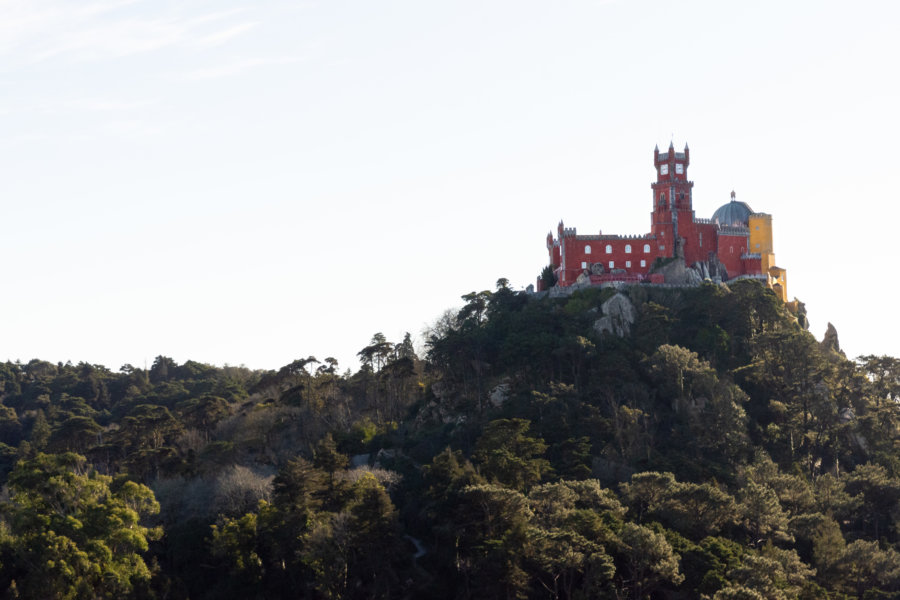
<point>735,243</point>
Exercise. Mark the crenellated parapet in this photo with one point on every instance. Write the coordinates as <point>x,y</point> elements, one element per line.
<point>732,230</point>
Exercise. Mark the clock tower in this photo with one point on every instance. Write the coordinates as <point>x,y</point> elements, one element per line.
<point>671,197</point>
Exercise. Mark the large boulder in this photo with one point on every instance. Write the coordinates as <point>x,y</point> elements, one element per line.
<point>618,316</point>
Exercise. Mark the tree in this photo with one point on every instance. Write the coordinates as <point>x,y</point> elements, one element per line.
<point>505,453</point>
<point>74,533</point>
<point>377,353</point>
<point>327,457</point>
<point>880,495</point>
<point>40,432</point>
<point>865,566</point>
<point>761,514</point>
<point>650,560</point>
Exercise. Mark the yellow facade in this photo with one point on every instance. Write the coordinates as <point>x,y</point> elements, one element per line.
<point>761,243</point>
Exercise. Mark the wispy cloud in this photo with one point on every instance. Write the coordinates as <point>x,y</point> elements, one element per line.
<point>240,66</point>
<point>220,37</point>
<point>100,105</point>
<point>38,30</point>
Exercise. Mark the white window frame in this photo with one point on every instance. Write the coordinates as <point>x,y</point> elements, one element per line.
<point>587,249</point>
<point>627,248</point>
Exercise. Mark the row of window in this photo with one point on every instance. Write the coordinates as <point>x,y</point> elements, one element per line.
<point>612,264</point>
<point>587,249</point>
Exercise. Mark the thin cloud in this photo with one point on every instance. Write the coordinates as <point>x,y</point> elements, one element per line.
<point>40,30</point>
<point>240,66</point>
<point>101,105</point>
<point>223,36</point>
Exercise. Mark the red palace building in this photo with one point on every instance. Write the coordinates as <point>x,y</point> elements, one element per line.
<point>735,242</point>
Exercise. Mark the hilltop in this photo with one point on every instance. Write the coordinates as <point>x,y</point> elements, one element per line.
<point>625,441</point>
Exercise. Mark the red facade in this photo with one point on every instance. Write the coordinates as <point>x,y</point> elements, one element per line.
<point>674,231</point>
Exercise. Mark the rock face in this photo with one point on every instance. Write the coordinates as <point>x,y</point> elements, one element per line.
<point>499,394</point>
<point>830,340</point>
<point>618,316</point>
<point>677,273</point>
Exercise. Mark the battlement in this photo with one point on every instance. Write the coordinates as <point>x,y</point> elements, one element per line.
<point>601,236</point>
<point>734,231</point>
<point>751,256</point>
<point>569,231</point>
<point>702,221</point>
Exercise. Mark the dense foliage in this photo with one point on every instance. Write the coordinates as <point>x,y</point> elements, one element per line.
<point>714,451</point>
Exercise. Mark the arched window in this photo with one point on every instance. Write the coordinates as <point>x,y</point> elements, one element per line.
<point>627,248</point>
<point>587,249</point>
<point>646,248</point>
<point>608,249</point>
<point>731,248</point>
<point>662,199</point>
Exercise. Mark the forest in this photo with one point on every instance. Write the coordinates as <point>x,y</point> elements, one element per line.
<point>713,449</point>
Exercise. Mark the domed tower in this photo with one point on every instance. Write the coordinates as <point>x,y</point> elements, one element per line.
<point>672,199</point>
<point>733,214</point>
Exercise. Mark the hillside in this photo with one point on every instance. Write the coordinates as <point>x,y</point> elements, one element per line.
<point>647,443</point>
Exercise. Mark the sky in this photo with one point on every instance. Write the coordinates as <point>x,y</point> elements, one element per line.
<point>248,183</point>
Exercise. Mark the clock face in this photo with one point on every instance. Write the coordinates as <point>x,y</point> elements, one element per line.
<point>664,169</point>
<point>679,168</point>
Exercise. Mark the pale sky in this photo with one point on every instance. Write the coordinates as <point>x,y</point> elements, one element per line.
<point>253,182</point>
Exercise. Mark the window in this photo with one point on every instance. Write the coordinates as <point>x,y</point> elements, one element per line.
<point>731,248</point>
<point>757,245</point>
<point>627,248</point>
<point>701,239</point>
<point>587,249</point>
<point>661,248</point>
<point>662,234</point>
<point>584,265</point>
<point>646,248</point>
<point>662,199</point>
<point>643,263</point>
<point>612,264</point>
<point>627,264</point>
<point>608,249</point>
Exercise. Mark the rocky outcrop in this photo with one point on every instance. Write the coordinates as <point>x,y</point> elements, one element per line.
<point>618,316</point>
<point>499,394</point>
<point>677,273</point>
<point>830,340</point>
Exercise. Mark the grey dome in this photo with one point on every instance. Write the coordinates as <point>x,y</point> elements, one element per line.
<point>733,214</point>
